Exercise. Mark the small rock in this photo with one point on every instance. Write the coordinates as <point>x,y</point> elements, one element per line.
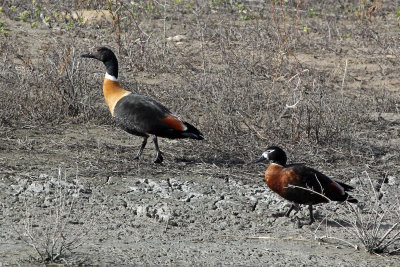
<point>123,203</point>
<point>132,189</point>
<point>355,181</point>
<point>172,223</point>
<point>392,180</point>
<point>85,191</point>
<point>35,188</point>
<point>177,38</point>
<point>142,210</point>
<point>163,214</point>
<point>17,189</point>
<point>43,176</point>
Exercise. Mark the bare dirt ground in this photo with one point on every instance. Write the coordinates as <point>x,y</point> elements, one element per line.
<point>182,212</point>
<point>73,181</point>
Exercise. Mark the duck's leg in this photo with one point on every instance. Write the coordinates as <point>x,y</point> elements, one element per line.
<point>293,207</point>
<point>311,214</point>
<point>141,147</point>
<point>159,157</point>
<point>290,210</point>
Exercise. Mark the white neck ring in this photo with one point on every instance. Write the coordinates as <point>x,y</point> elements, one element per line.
<point>110,77</point>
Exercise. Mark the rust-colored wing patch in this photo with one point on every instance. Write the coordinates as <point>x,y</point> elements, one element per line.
<point>335,188</point>
<point>173,123</point>
<point>292,177</point>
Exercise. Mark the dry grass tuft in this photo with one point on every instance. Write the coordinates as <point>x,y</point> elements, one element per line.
<point>63,228</point>
<point>374,221</point>
<point>377,223</point>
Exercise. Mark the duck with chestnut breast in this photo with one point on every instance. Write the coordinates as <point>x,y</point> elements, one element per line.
<point>301,184</point>
<point>137,114</point>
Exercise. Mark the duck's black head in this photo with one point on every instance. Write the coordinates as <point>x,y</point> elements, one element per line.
<point>274,154</point>
<point>102,53</point>
<point>107,56</point>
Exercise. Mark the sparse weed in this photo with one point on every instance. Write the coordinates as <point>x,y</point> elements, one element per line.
<point>2,29</point>
<point>63,228</point>
<point>297,101</point>
<point>374,222</point>
<point>23,15</point>
<point>57,82</point>
<point>70,25</point>
<point>242,11</point>
<point>377,223</point>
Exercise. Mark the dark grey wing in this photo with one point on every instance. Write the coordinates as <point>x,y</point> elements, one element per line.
<point>140,115</point>
<point>153,103</point>
<point>319,182</point>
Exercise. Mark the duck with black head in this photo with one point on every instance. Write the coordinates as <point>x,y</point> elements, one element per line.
<point>301,184</point>
<point>137,114</point>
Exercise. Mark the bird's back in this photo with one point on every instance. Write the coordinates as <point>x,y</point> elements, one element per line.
<point>303,185</point>
<point>140,114</point>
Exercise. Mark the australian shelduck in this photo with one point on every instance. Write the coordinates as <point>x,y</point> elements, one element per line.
<point>137,114</point>
<point>301,184</point>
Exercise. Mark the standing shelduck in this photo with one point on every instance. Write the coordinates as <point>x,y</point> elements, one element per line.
<point>137,114</point>
<point>301,184</point>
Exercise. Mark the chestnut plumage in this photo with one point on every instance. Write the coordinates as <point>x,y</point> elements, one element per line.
<point>301,184</point>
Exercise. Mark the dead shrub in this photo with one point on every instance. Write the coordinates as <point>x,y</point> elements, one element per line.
<point>45,90</point>
<point>55,223</point>
<point>237,79</point>
<point>374,221</point>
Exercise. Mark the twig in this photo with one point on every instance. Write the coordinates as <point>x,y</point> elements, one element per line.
<point>164,6</point>
<point>266,237</point>
<point>335,238</point>
<point>310,190</point>
<point>344,77</point>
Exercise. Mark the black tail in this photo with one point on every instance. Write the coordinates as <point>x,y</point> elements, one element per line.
<point>351,199</point>
<point>346,187</point>
<point>192,132</point>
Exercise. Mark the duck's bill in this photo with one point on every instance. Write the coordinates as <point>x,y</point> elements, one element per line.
<point>262,158</point>
<point>88,55</point>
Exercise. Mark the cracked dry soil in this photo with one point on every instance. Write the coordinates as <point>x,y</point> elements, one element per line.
<point>135,212</point>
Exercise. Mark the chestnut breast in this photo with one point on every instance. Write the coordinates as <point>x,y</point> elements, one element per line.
<point>113,92</point>
<point>278,178</point>
<point>294,186</point>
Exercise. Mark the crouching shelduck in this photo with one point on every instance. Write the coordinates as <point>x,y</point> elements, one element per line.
<point>301,184</point>
<point>139,115</point>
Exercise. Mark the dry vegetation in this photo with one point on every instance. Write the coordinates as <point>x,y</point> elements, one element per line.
<point>316,77</point>
<point>63,228</point>
<point>241,77</point>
